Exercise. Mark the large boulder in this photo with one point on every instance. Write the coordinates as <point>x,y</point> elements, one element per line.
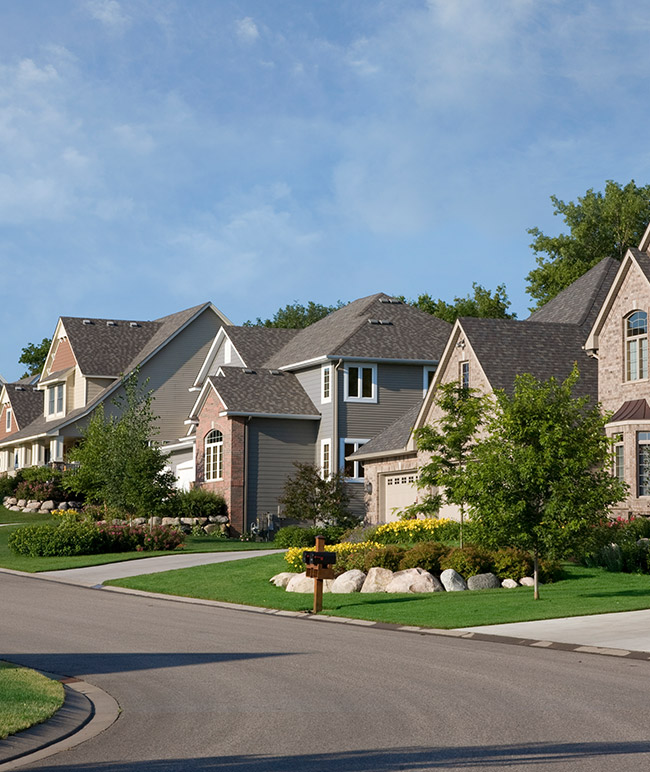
<point>527,581</point>
<point>21,503</point>
<point>452,581</point>
<point>414,580</point>
<point>303,583</point>
<point>509,584</point>
<point>350,581</point>
<point>483,582</point>
<point>283,579</point>
<point>10,501</point>
<point>377,580</point>
<point>49,505</point>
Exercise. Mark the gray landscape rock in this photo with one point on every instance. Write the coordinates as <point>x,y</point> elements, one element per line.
<point>211,527</point>
<point>49,505</point>
<point>139,521</point>
<point>62,505</point>
<point>349,581</point>
<point>509,584</point>
<point>483,582</point>
<point>414,580</point>
<point>282,580</point>
<point>14,508</point>
<point>155,520</point>
<point>74,505</point>
<point>303,583</point>
<point>377,580</point>
<point>527,581</point>
<point>21,503</point>
<point>10,501</point>
<point>452,581</point>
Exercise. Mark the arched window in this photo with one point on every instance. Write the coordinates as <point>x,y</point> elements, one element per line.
<point>214,455</point>
<point>636,346</point>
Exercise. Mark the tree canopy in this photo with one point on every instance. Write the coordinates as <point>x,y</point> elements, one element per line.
<point>309,496</point>
<point>480,303</point>
<point>33,356</point>
<point>600,225</point>
<point>296,316</point>
<point>539,478</point>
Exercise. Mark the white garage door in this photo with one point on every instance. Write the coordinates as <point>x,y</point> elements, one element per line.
<point>399,491</point>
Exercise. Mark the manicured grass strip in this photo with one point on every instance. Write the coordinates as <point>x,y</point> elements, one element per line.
<point>584,591</point>
<point>33,565</point>
<point>26,698</point>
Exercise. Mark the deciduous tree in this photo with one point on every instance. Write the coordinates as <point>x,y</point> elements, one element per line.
<point>308,496</point>
<point>34,355</point>
<point>296,316</point>
<point>481,303</point>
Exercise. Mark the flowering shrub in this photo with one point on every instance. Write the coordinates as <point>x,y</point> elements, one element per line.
<point>343,551</point>
<point>36,490</point>
<point>413,531</point>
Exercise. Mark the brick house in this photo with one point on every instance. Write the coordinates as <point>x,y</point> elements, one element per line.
<point>487,354</point>
<point>268,398</point>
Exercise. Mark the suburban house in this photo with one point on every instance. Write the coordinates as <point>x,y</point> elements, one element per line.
<point>619,342</point>
<point>487,354</point>
<point>266,398</point>
<point>84,368</point>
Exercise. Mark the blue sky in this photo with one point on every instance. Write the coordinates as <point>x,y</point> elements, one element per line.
<point>155,154</point>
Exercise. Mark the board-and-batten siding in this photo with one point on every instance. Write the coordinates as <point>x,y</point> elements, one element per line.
<point>172,370</point>
<point>400,388</point>
<point>273,445</point>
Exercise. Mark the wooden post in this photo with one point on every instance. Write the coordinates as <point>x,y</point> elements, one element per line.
<point>318,581</point>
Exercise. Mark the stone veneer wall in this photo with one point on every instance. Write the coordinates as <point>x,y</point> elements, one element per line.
<point>373,473</point>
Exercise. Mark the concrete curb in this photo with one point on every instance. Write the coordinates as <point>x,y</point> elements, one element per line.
<point>368,624</point>
<point>87,711</point>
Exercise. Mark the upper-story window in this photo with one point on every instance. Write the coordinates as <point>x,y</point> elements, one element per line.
<point>360,383</point>
<point>428,376</point>
<point>352,470</point>
<point>619,457</point>
<point>326,383</point>
<point>55,399</point>
<point>636,346</point>
<point>8,420</point>
<point>464,375</point>
<point>214,455</point>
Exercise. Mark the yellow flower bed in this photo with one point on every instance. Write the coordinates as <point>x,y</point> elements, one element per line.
<point>293,555</point>
<point>425,529</point>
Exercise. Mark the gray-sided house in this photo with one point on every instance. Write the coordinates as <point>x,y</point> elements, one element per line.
<point>619,341</point>
<point>487,354</point>
<point>84,368</point>
<point>268,398</point>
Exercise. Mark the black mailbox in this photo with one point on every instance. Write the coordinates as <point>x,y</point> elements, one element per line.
<point>324,559</point>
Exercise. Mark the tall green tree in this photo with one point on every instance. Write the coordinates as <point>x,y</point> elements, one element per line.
<point>480,303</point>
<point>119,464</point>
<point>450,440</point>
<point>33,356</point>
<point>539,479</point>
<point>296,316</point>
<point>309,496</point>
<point>599,224</point>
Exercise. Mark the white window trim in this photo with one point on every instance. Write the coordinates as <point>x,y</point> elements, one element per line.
<point>227,352</point>
<point>346,382</point>
<point>53,389</point>
<point>323,398</point>
<point>325,444</point>
<point>425,376</point>
<point>8,420</point>
<point>460,373</point>
<point>635,377</point>
<point>358,442</point>
<point>217,450</point>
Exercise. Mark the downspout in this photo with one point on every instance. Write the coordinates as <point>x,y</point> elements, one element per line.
<point>335,416</point>
<point>245,496</point>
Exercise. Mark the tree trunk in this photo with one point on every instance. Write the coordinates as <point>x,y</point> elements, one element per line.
<point>462,514</point>
<point>536,575</point>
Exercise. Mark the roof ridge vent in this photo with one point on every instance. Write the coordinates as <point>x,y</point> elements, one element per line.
<point>385,321</point>
<point>111,323</point>
<point>391,301</point>
<point>19,388</point>
<point>275,372</point>
<point>86,321</point>
<point>373,321</point>
<point>248,371</point>
<point>133,324</point>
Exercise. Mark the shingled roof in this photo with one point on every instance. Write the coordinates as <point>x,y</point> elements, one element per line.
<point>26,403</point>
<point>507,348</point>
<point>393,438</point>
<point>581,301</point>
<point>374,327</point>
<point>257,344</point>
<point>262,392</point>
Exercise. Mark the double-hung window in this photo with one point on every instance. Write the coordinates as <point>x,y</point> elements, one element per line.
<point>643,467</point>
<point>636,346</point>
<point>326,383</point>
<point>352,470</point>
<point>619,457</point>
<point>214,455</point>
<point>464,375</point>
<point>326,459</point>
<point>8,420</point>
<point>360,383</point>
<point>55,399</point>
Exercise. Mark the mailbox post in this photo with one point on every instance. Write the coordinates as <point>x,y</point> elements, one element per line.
<point>318,564</point>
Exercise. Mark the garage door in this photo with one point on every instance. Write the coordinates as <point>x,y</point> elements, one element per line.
<point>399,491</point>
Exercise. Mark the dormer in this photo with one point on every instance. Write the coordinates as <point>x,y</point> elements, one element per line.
<point>222,353</point>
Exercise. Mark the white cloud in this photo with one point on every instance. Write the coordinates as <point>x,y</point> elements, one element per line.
<point>246,30</point>
<point>108,12</point>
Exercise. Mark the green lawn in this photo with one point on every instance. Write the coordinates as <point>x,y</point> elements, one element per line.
<point>26,698</point>
<point>34,565</point>
<point>584,591</point>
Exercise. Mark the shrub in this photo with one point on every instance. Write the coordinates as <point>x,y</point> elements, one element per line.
<point>637,528</point>
<point>467,561</point>
<point>56,540</point>
<point>39,483</point>
<point>511,563</point>
<point>7,485</point>
<point>384,557</point>
<point>413,531</point>
<point>427,555</point>
<point>295,536</point>
<point>199,502</point>
<point>359,533</point>
<point>550,571</point>
<point>100,512</point>
<point>293,555</point>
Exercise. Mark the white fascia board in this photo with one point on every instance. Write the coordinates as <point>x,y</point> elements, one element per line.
<point>306,363</point>
<point>592,340</point>
<point>191,421</point>
<point>180,445</point>
<point>385,454</point>
<point>221,315</point>
<point>270,415</point>
<point>196,407</point>
<point>50,354</point>
<point>645,240</point>
<point>333,357</point>
<point>209,358</point>
<point>24,440</point>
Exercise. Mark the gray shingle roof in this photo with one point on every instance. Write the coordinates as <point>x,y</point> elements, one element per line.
<point>261,391</point>
<point>581,301</point>
<point>257,344</point>
<point>643,260</point>
<point>26,403</point>
<point>394,437</point>
<point>507,348</point>
<point>410,334</point>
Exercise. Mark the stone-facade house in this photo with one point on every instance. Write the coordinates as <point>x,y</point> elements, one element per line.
<point>84,368</point>
<point>487,354</point>
<point>619,341</point>
<point>268,398</point>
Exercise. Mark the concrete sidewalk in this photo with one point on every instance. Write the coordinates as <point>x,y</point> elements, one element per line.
<point>92,576</point>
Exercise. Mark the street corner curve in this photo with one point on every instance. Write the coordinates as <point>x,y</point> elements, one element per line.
<point>86,712</point>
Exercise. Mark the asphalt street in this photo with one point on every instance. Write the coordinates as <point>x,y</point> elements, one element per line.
<point>206,688</point>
